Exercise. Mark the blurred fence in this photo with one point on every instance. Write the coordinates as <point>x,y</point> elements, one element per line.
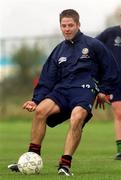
<point>9,45</point>
<point>11,97</point>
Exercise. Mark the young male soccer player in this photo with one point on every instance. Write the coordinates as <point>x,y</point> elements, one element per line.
<point>111,37</point>
<point>77,69</point>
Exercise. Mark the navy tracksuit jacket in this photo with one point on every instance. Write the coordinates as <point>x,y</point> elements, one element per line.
<point>82,62</point>
<point>111,37</point>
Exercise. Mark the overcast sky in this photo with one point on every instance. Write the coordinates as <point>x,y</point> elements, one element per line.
<point>40,17</point>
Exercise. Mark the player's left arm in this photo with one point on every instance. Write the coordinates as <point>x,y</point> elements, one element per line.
<point>101,99</point>
<point>108,69</point>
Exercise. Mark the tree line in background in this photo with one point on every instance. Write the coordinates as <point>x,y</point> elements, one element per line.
<point>28,61</point>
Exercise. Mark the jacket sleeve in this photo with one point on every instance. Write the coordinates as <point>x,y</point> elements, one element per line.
<point>108,69</point>
<point>48,78</point>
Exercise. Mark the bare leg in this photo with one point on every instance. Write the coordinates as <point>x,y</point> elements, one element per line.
<point>116,108</point>
<point>75,130</point>
<point>43,110</point>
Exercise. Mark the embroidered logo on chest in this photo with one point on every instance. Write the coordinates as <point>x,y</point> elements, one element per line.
<point>85,53</point>
<point>62,59</point>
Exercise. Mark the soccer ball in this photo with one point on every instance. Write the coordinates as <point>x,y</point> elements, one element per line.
<point>30,163</point>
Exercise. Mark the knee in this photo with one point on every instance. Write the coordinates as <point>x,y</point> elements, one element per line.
<point>40,113</point>
<point>77,119</point>
<point>76,123</point>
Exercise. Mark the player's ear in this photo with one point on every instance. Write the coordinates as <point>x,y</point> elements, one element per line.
<point>79,24</point>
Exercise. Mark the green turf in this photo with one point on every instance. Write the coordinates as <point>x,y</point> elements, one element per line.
<point>94,159</point>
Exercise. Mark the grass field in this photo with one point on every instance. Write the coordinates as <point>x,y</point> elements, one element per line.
<point>94,159</point>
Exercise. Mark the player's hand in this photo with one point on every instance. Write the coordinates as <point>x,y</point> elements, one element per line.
<point>30,106</point>
<point>101,99</point>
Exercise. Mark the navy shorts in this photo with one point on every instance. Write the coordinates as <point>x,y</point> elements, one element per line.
<point>67,99</point>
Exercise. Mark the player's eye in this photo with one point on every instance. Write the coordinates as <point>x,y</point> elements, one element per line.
<point>70,25</point>
<point>63,25</point>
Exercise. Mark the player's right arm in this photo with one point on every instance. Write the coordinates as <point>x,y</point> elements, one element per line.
<point>48,78</point>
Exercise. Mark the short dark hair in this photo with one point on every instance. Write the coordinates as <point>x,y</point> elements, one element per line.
<point>70,13</point>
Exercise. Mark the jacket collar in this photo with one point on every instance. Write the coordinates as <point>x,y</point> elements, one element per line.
<point>76,38</point>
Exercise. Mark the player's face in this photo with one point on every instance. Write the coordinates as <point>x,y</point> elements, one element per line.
<point>69,28</point>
